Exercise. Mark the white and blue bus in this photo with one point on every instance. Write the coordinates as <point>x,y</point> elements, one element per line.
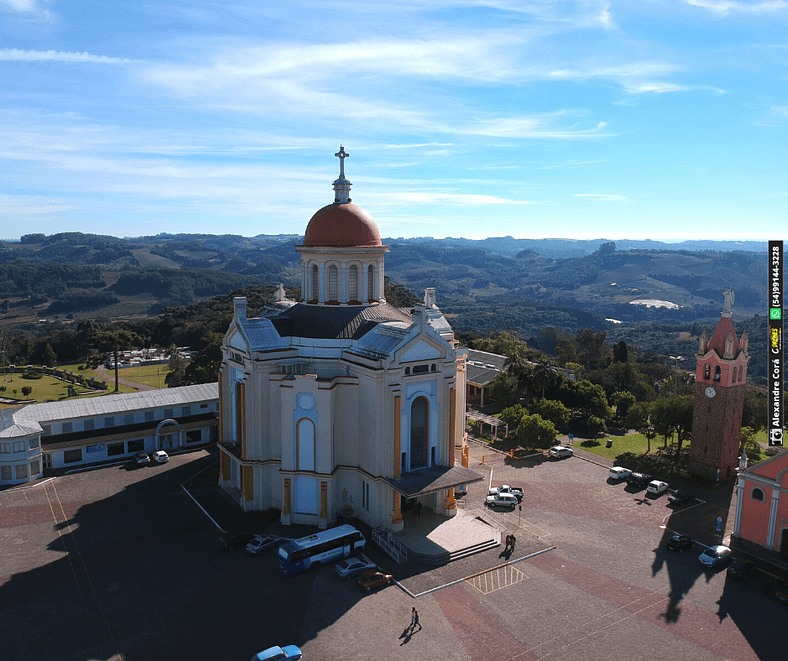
<point>326,546</point>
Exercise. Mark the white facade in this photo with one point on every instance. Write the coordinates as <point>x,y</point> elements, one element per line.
<point>341,404</point>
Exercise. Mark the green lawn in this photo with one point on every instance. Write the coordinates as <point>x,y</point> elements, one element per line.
<point>47,388</point>
<point>631,447</point>
<point>635,443</point>
<point>151,375</point>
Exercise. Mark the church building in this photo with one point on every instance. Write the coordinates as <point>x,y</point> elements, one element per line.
<point>720,384</point>
<point>341,404</point>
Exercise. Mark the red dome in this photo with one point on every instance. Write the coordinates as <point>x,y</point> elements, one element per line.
<point>342,225</point>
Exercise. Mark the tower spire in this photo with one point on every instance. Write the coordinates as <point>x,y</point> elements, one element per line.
<point>342,185</point>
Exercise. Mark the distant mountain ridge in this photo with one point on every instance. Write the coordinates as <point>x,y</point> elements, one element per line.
<point>96,275</point>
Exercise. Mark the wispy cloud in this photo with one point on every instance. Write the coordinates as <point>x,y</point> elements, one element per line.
<point>602,197</point>
<point>21,6</point>
<point>725,7</point>
<point>538,126</point>
<point>17,55</point>
<point>459,199</point>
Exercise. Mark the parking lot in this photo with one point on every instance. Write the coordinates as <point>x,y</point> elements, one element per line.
<point>122,564</point>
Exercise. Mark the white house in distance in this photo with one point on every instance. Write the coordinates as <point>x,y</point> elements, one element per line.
<point>341,403</point>
<point>93,430</point>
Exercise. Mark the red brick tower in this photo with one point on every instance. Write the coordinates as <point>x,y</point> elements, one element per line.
<point>720,381</point>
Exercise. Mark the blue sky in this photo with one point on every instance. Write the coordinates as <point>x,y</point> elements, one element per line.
<point>651,119</point>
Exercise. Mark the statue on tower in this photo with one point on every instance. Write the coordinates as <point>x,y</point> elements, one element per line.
<point>729,298</point>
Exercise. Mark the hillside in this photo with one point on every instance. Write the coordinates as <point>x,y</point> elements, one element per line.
<point>628,288</point>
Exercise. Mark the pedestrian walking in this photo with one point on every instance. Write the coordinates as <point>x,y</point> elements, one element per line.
<point>418,508</point>
<point>416,619</point>
<point>508,542</point>
<point>413,618</point>
<point>512,542</point>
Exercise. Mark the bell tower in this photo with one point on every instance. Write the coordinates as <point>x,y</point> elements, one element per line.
<point>720,382</point>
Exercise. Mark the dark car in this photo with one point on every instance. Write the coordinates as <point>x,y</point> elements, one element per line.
<point>639,480</point>
<point>680,497</point>
<point>716,557</point>
<point>741,569</point>
<point>234,540</point>
<point>679,543</point>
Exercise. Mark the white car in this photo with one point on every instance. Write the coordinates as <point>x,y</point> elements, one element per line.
<point>560,452</point>
<point>160,457</point>
<point>657,487</point>
<point>619,473</point>
<point>515,491</point>
<point>350,567</point>
<point>504,500</point>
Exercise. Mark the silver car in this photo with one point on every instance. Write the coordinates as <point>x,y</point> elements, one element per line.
<point>350,567</point>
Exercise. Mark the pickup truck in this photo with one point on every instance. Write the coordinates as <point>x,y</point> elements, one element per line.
<point>505,488</point>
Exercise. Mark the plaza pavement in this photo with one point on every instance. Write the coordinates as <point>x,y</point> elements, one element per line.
<point>121,564</point>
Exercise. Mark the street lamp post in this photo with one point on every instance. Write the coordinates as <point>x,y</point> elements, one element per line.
<point>676,360</point>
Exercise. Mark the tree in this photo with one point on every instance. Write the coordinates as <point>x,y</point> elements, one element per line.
<point>566,353</point>
<point>554,411</point>
<point>177,375</point>
<point>595,425</point>
<point>114,340</point>
<point>534,431</point>
<point>748,443</point>
<point>505,343</point>
<point>622,400</point>
<point>754,410</point>
<point>591,399</point>
<point>639,418</point>
<point>504,389</point>
<point>543,372</point>
<point>594,353</point>
<point>26,390</point>
<point>204,367</point>
<point>673,415</point>
<point>512,415</point>
<point>620,352</point>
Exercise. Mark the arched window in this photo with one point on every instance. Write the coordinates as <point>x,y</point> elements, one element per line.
<point>305,445</point>
<point>717,373</point>
<point>706,372</point>
<point>419,432</point>
<point>333,282</point>
<point>371,283</point>
<point>352,283</point>
<point>757,494</point>
<point>315,293</point>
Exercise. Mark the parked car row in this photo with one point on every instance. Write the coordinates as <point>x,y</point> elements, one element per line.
<point>158,457</point>
<point>654,487</point>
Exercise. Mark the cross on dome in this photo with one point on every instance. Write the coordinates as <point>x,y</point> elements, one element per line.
<point>341,155</point>
<point>342,185</point>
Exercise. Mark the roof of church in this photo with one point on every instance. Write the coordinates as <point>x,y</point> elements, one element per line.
<point>342,225</point>
<point>330,322</point>
<point>717,340</point>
